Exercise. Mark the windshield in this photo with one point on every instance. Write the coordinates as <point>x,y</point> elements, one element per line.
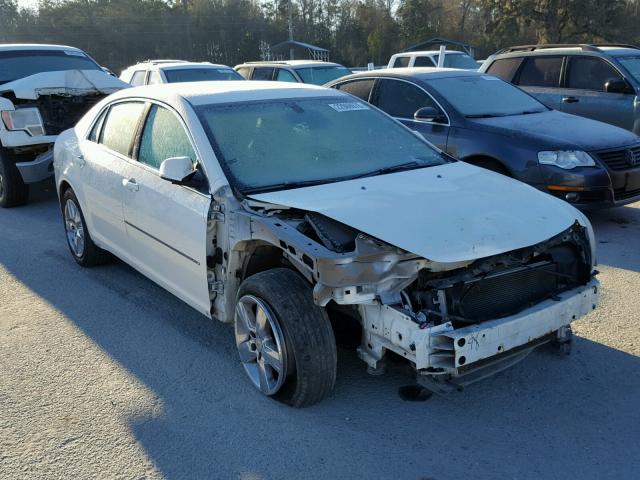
<point>201,74</point>
<point>632,64</point>
<point>485,96</point>
<point>279,144</point>
<point>322,75</point>
<point>458,60</point>
<point>15,64</point>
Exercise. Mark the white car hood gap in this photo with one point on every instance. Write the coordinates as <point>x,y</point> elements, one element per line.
<point>449,213</point>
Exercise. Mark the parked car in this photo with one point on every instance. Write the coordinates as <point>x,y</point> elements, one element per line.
<point>490,123</point>
<point>44,89</point>
<point>594,81</point>
<point>297,71</point>
<point>154,72</point>
<point>279,207</point>
<point>429,58</point>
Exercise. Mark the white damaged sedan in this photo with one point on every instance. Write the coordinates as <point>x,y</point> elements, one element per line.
<point>287,208</point>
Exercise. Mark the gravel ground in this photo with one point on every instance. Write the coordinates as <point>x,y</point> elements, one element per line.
<point>105,375</point>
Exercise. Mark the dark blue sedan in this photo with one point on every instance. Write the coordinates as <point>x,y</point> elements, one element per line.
<point>485,121</point>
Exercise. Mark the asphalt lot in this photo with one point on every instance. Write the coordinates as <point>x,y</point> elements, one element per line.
<point>105,375</point>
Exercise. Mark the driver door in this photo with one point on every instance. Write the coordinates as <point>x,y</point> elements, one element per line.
<point>167,223</point>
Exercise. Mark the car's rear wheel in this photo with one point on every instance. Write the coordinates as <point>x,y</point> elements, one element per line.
<point>83,250</point>
<point>13,191</point>
<point>285,341</point>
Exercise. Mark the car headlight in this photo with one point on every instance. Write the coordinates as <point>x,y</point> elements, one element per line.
<point>27,119</point>
<point>566,159</point>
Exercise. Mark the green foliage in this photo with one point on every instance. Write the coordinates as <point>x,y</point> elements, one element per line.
<point>121,32</point>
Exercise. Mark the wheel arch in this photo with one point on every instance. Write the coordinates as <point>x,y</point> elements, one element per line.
<point>477,159</point>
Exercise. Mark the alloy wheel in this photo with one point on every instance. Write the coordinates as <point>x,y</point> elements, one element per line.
<point>260,344</point>
<point>74,228</point>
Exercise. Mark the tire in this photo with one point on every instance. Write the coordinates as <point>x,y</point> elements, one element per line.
<point>492,165</point>
<point>13,191</point>
<point>88,254</point>
<point>297,327</point>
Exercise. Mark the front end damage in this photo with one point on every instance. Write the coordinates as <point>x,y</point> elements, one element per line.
<point>455,323</point>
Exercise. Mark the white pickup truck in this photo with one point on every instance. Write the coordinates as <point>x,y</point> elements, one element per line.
<point>44,89</point>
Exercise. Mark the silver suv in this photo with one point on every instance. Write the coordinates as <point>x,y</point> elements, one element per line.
<point>595,81</point>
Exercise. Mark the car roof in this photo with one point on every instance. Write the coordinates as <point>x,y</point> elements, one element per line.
<point>429,52</point>
<point>218,92</point>
<point>35,46</point>
<point>421,73</point>
<point>181,65</point>
<point>590,50</point>
<point>292,63</point>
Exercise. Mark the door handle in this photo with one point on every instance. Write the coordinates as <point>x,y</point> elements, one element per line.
<point>131,184</point>
<point>570,100</point>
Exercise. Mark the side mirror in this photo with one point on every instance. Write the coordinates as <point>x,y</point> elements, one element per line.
<point>428,114</point>
<point>617,85</point>
<point>177,169</point>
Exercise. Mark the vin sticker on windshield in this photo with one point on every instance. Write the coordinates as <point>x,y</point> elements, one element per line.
<point>348,107</point>
<point>74,53</point>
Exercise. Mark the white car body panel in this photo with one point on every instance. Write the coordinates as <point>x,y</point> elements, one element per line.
<point>449,213</point>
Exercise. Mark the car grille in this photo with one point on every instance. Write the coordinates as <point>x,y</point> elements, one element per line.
<point>622,194</point>
<point>505,293</point>
<point>621,159</point>
<point>59,113</point>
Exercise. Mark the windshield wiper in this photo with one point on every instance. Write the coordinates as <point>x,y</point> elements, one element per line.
<point>287,186</point>
<point>392,169</point>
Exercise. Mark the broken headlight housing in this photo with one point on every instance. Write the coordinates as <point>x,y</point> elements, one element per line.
<point>25,119</point>
<point>566,159</point>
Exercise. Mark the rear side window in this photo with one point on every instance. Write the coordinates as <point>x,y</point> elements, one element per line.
<point>163,137</point>
<point>244,71</point>
<point>541,72</point>
<point>138,78</point>
<point>285,76</point>
<point>505,68</point>
<point>120,126</point>
<point>262,74</point>
<point>423,62</point>
<point>359,88</point>
<point>588,73</point>
<point>401,99</point>
<point>401,62</point>
<point>94,136</point>
<point>154,78</point>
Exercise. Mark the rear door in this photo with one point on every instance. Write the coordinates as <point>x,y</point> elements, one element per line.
<point>166,223</point>
<point>585,93</point>
<point>105,157</point>
<point>401,99</point>
<point>541,77</point>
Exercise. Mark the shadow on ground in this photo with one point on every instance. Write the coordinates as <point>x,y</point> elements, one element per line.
<point>548,417</point>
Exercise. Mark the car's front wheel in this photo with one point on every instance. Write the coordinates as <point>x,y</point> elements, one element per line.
<point>84,251</point>
<point>285,341</point>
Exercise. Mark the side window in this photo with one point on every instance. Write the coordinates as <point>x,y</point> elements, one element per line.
<point>95,131</point>
<point>285,76</point>
<point>401,99</point>
<point>541,72</point>
<point>154,78</point>
<point>589,73</point>
<point>163,137</point>
<point>505,68</point>
<point>244,71</point>
<point>120,126</point>
<point>423,62</point>
<point>401,62</point>
<point>262,74</point>
<point>138,78</point>
<point>359,88</point>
